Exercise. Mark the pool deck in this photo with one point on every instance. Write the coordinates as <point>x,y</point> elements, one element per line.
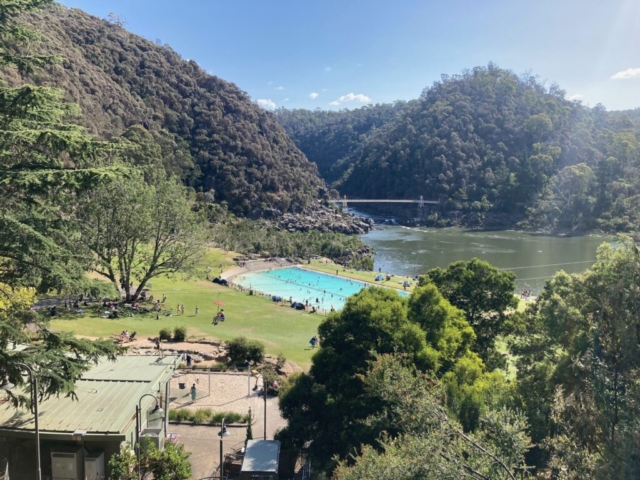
<point>346,275</point>
<point>252,266</point>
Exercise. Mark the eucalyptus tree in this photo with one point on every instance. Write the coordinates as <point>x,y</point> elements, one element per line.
<point>578,365</point>
<point>136,231</point>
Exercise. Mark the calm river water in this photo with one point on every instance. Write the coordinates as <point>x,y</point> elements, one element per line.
<point>532,257</point>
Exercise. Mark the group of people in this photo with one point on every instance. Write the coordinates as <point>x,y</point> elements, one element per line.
<point>525,294</point>
<point>126,337</point>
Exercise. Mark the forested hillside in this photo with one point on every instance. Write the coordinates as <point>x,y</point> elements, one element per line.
<point>211,132</point>
<point>329,138</point>
<point>493,145</point>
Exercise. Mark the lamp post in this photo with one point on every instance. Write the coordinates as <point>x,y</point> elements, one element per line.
<point>156,409</point>
<point>248,365</point>
<point>264,390</point>
<point>223,433</point>
<point>34,405</point>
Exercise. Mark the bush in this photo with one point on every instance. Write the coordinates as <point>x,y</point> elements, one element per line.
<point>165,334</point>
<point>206,415</point>
<point>280,361</point>
<point>180,334</point>
<point>241,349</point>
<point>229,417</point>
<point>270,376</point>
<point>180,415</point>
<point>201,416</point>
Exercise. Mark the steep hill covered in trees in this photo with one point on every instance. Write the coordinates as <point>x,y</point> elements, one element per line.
<point>211,131</point>
<point>329,138</point>
<point>492,145</point>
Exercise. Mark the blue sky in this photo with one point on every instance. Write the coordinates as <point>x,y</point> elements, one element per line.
<point>335,54</point>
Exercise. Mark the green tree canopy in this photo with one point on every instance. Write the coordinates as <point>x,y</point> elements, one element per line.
<point>45,161</point>
<point>484,294</point>
<point>419,440</point>
<point>326,409</point>
<point>137,231</point>
<point>579,358</point>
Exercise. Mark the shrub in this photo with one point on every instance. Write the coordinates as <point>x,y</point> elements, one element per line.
<point>165,334</point>
<point>180,334</point>
<point>206,415</point>
<point>200,416</point>
<point>181,415</point>
<point>241,349</point>
<point>269,375</point>
<point>249,428</point>
<point>229,417</point>
<point>280,361</point>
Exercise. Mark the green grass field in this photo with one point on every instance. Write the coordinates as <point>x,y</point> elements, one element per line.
<point>280,328</point>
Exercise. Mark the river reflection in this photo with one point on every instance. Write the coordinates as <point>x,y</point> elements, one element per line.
<point>532,257</point>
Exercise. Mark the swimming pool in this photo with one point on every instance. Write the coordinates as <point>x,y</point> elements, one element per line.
<point>320,290</point>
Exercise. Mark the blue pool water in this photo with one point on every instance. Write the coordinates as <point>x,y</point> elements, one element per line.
<point>303,286</point>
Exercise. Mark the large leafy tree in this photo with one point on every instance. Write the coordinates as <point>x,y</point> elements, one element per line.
<point>485,295</point>
<point>579,359</point>
<point>420,440</point>
<point>137,231</point>
<point>326,408</point>
<point>44,162</point>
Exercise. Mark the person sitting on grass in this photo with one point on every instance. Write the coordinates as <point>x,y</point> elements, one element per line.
<point>220,317</point>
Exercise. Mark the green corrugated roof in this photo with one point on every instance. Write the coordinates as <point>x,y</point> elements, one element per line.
<point>107,398</point>
<point>132,368</point>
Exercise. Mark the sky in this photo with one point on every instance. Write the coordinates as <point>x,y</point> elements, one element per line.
<point>334,54</point>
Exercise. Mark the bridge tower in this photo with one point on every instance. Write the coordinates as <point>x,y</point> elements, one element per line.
<point>344,203</point>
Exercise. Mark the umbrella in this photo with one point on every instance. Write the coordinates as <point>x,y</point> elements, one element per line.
<point>218,303</point>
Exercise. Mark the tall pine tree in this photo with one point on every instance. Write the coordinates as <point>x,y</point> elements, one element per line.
<point>44,162</point>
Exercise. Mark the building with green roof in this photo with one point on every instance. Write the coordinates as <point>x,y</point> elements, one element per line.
<point>101,418</point>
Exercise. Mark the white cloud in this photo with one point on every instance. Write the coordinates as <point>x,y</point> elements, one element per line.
<point>628,73</point>
<point>267,103</point>
<point>358,64</point>
<point>286,99</point>
<point>328,69</point>
<point>313,95</point>
<point>351,97</point>
<point>280,88</point>
<point>576,96</point>
<point>269,83</point>
<point>324,89</point>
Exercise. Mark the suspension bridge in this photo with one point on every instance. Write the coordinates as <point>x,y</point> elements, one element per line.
<point>344,201</point>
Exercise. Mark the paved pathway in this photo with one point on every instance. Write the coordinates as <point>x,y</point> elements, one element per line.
<point>228,393</point>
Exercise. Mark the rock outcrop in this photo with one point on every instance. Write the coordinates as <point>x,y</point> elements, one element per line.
<point>324,219</point>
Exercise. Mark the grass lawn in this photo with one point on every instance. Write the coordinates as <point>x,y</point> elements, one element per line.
<point>395,282</point>
<point>280,328</point>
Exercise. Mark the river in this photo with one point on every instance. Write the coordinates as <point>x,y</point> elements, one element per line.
<point>532,257</point>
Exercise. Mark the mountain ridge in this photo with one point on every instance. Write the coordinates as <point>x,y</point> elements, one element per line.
<point>493,145</point>
<point>121,80</point>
